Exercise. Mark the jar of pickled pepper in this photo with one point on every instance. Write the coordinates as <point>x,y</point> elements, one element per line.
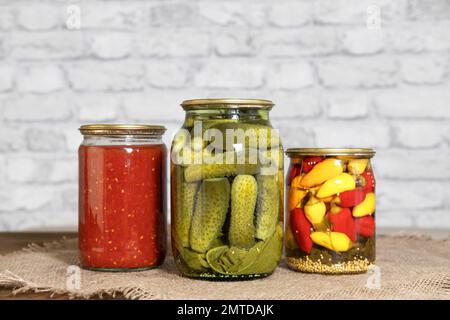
<point>122,195</point>
<point>330,206</point>
<point>227,190</point>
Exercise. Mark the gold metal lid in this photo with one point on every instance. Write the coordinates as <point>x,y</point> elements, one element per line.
<point>355,152</point>
<point>227,103</point>
<point>122,129</point>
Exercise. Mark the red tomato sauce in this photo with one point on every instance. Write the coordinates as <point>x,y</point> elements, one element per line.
<point>122,206</point>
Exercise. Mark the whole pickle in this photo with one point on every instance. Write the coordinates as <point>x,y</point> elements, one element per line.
<point>184,211</point>
<point>267,205</point>
<point>243,202</point>
<point>222,165</point>
<point>255,135</point>
<point>210,213</point>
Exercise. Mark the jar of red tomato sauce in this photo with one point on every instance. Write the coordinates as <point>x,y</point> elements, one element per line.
<point>122,197</point>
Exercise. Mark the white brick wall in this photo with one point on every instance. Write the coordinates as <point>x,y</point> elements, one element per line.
<point>336,83</point>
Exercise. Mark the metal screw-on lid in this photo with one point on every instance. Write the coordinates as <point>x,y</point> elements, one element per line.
<point>355,152</point>
<point>227,103</point>
<point>122,129</point>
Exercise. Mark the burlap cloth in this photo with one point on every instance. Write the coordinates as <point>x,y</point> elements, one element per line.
<point>411,267</point>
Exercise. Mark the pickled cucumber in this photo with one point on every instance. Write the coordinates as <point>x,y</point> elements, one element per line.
<point>185,209</point>
<point>267,206</point>
<point>230,164</point>
<point>256,135</point>
<point>210,211</point>
<point>243,202</point>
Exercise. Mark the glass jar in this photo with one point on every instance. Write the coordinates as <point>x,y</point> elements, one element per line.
<point>122,197</point>
<point>227,190</point>
<point>331,208</point>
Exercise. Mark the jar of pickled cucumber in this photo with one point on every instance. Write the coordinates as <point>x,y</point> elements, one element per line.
<point>227,190</point>
<point>330,206</point>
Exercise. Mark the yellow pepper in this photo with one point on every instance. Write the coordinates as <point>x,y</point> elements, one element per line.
<point>322,172</point>
<point>335,208</point>
<point>365,208</point>
<point>315,210</point>
<point>341,183</point>
<point>335,241</point>
<point>295,183</point>
<point>295,197</point>
<point>357,166</point>
<point>329,199</point>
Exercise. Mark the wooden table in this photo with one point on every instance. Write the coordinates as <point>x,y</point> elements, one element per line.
<point>12,241</point>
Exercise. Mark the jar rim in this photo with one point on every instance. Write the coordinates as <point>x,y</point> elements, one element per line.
<point>122,129</point>
<point>356,152</point>
<point>227,103</point>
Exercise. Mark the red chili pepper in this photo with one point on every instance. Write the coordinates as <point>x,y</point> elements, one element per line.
<point>370,181</point>
<point>309,162</point>
<point>294,172</point>
<point>365,226</point>
<point>343,222</point>
<point>301,229</point>
<point>352,198</point>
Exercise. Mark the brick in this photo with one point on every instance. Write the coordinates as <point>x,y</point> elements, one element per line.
<point>431,103</point>
<point>234,44</point>
<point>395,219</point>
<point>371,72</point>
<point>40,78</point>
<point>290,14</point>
<point>25,197</point>
<point>30,108</point>
<point>173,14</point>
<point>110,45</point>
<point>361,41</point>
<point>290,75</point>
<point>356,135</point>
<point>423,69</point>
<point>295,105</point>
<point>2,47</point>
<point>419,134</point>
<point>106,76</point>
<point>34,169</point>
<point>12,138</point>
<point>72,138</point>
<point>355,11</point>
<point>97,107</point>
<point>233,13</point>
<point>31,17</point>
<point>293,136</point>
<point>433,219</point>
<point>47,45</point>
<point>419,165</point>
<point>6,18</point>
<point>112,16</point>
<point>438,9</point>
<point>167,74</point>
<point>156,105</point>
<point>174,43</point>
<point>295,42</point>
<point>420,37</point>
<point>348,105</point>
<point>407,195</point>
<point>39,139</point>
<point>6,77</point>
<point>230,74</point>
